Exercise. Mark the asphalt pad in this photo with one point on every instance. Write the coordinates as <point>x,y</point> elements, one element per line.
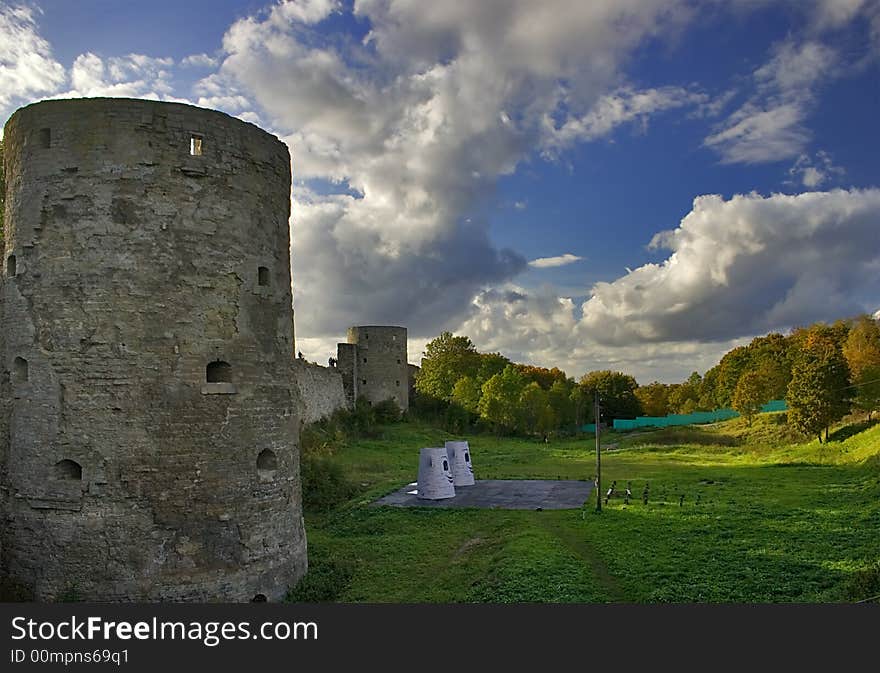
<point>501,494</point>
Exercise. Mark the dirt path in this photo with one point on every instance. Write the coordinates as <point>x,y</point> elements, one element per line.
<point>576,541</point>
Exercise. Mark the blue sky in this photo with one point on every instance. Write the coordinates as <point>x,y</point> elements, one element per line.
<point>501,168</point>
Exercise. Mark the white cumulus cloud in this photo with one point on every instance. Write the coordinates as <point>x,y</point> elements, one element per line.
<point>27,67</point>
<point>131,76</point>
<point>410,130</point>
<point>551,262</point>
<point>814,171</point>
<point>199,61</point>
<point>737,268</point>
<point>747,265</point>
<point>620,107</point>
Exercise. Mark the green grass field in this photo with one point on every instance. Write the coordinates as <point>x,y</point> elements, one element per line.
<point>776,521</point>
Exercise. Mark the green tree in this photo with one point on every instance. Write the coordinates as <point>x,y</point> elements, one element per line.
<point>533,402</point>
<point>547,420</point>
<point>750,395</point>
<point>862,353</point>
<point>490,364</point>
<point>616,392</point>
<point>683,398</point>
<point>731,367</point>
<point>771,357</point>
<point>866,391</point>
<point>654,398</point>
<point>447,358</point>
<point>466,394</point>
<point>499,403</point>
<point>559,398</point>
<point>689,406</point>
<point>580,404</point>
<point>541,375</point>
<point>708,388</point>
<point>818,392</point>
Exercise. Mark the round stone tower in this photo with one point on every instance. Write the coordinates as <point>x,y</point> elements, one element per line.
<point>381,371</point>
<point>148,429</point>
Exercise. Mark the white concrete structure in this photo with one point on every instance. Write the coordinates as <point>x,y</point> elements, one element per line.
<point>460,459</point>
<point>435,477</point>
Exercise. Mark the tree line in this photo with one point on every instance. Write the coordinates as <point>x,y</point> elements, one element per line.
<point>822,371</point>
<point>473,390</point>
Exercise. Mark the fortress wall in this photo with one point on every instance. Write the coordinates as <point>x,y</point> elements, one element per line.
<point>321,390</point>
<point>346,363</point>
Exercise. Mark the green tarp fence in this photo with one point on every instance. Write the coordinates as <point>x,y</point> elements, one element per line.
<point>695,418</point>
<point>775,405</point>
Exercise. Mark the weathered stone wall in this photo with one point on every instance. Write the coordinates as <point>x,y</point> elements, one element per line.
<point>320,389</point>
<point>382,371</point>
<point>412,372</point>
<point>346,363</point>
<point>129,475</point>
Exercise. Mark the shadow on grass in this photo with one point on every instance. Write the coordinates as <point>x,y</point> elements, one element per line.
<point>688,435</point>
<point>848,431</point>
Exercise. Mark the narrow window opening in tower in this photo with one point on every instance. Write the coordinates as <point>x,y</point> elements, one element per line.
<point>365,360</point>
<point>67,470</point>
<point>394,337</point>
<point>45,138</point>
<point>267,463</point>
<point>218,372</point>
<point>364,381</point>
<point>195,145</point>
<point>19,371</point>
<point>11,266</point>
<point>398,360</point>
<point>263,276</point>
<point>397,383</point>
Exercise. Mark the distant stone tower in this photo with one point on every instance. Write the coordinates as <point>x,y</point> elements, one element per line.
<point>148,429</point>
<point>373,364</point>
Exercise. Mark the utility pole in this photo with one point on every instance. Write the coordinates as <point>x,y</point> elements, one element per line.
<point>598,460</point>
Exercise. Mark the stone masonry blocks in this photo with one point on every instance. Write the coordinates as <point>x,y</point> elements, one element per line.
<point>149,240</point>
<point>380,369</point>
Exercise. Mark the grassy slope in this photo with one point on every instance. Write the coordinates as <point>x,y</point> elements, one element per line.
<point>774,522</point>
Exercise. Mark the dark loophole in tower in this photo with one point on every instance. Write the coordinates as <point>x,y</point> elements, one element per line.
<point>219,372</point>
<point>67,470</point>
<point>267,461</point>
<point>263,276</point>
<point>11,266</point>
<point>19,371</point>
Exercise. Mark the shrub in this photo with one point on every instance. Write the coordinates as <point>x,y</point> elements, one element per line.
<point>386,411</point>
<point>324,485</point>
<point>863,584</point>
<point>362,419</point>
<point>325,581</point>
